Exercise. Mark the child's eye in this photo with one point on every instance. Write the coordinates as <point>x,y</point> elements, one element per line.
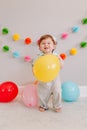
<point>43,43</point>
<point>48,42</point>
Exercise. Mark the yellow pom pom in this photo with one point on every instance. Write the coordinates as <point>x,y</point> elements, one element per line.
<point>73,51</point>
<point>16,37</point>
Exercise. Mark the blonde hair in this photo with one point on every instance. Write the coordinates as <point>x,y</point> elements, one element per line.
<point>45,37</point>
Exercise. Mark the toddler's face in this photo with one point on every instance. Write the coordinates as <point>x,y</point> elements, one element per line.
<point>47,46</point>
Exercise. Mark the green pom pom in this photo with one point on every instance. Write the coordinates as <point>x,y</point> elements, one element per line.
<point>84,21</point>
<point>5,48</point>
<point>5,31</point>
<point>83,44</point>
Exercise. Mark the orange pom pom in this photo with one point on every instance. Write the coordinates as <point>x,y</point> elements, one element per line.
<point>63,56</point>
<point>28,40</point>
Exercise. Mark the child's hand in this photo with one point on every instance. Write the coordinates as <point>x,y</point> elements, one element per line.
<point>61,62</point>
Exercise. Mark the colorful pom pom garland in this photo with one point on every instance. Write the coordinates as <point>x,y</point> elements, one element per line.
<point>28,41</point>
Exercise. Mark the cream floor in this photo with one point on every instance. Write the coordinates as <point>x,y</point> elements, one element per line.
<point>16,116</point>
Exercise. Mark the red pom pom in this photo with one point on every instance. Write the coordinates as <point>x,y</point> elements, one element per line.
<point>28,40</point>
<point>63,56</point>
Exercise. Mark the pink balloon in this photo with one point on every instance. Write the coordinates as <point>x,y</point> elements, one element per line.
<point>29,95</point>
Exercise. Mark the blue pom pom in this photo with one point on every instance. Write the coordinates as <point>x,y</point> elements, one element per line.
<point>16,54</point>
<point>75,29</point>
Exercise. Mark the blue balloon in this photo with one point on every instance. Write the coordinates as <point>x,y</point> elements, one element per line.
<point>70,91</point>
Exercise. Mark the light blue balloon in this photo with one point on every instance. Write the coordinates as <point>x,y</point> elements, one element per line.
<point>70,91</point>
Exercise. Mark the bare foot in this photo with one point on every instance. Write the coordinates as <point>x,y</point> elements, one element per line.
<point>41,109</point>
<point>58,110</point>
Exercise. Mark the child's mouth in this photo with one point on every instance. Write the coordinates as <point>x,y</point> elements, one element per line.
<point>46,48</point>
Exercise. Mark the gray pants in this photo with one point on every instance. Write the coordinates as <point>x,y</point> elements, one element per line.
<point>45,90</point>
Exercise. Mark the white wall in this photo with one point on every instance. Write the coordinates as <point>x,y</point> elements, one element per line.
<point>34,18</point>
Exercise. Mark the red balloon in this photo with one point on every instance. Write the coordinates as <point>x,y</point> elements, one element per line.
<point>8,91</point>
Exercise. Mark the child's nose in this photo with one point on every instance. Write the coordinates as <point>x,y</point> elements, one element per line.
<point>46,44</point>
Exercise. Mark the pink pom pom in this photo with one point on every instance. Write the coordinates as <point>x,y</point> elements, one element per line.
<point>64,35</point>
<point>27,58</point>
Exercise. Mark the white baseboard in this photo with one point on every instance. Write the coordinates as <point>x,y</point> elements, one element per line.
<point>83,91</point>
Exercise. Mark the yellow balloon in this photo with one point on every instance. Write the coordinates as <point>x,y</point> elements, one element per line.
<point>46,68</point>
